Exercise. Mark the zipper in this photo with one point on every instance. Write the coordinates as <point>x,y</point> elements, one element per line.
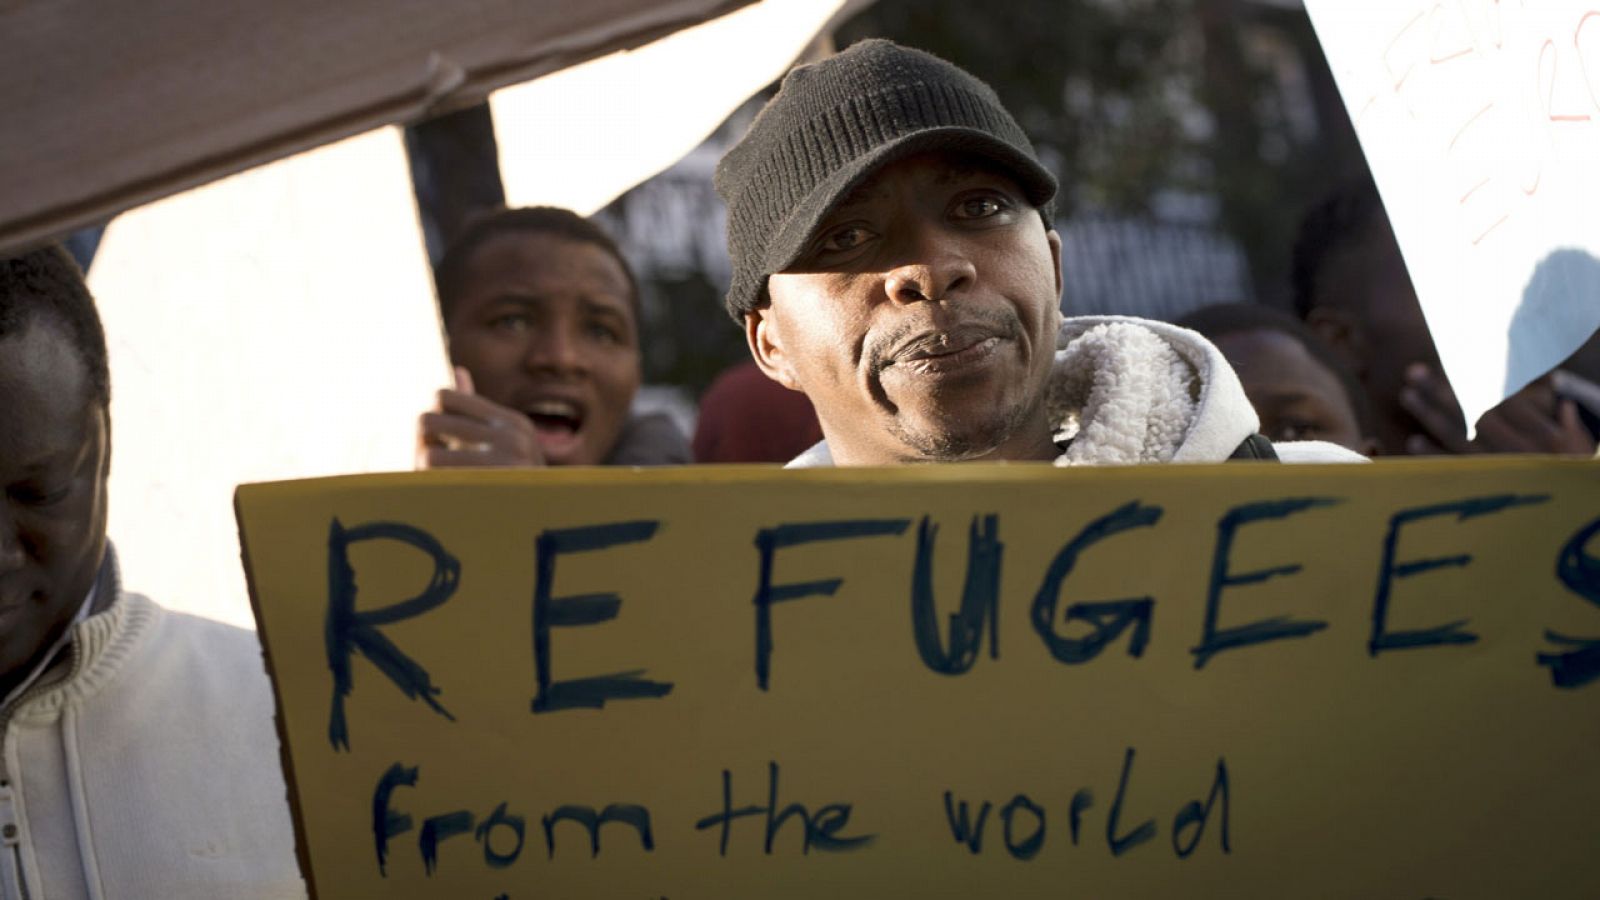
<point>22,882</point>
<point>11,839</point>
<point>34,690</point>
<point>10,836</point>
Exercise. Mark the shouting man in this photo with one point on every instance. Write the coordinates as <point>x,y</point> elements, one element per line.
<point>894,259</point>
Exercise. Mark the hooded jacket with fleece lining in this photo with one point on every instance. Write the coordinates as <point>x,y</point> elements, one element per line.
<point>1126,390</point>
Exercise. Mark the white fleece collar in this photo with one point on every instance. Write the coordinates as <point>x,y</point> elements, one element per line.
<point>1128,390</point>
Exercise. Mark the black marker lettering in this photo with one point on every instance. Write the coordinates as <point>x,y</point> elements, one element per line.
<point>580,610</point>
<point>438,829</point>
<point>1453,633</point>
<point>1108,618</point>
<point>386,823</point>
<point>770,540</point>
<point>485,835</point>
<point>627,813</point>
<point>820,830</point>
<point>962,827</point>
<point>346,630</point>
<point>1580,572</point>
<point>1146,829</point>
<point>1214,640</point>
<point>1081,801</point>
<point>1197,815</point>
<point>728,814</point>
<point>980,599</point>
<point>1028,847</point>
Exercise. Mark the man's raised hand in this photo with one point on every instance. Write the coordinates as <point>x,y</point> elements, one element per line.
<point>464,429</point>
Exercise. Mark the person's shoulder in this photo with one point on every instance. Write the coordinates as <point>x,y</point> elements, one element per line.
<point>650,439</point>
<point>187,641</point>
<point>817,456</point>
<point>199,629</point>
<point>139,656</point>
<point>1316,452</point>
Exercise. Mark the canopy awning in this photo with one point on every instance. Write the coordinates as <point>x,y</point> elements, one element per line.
<point>107,106</point>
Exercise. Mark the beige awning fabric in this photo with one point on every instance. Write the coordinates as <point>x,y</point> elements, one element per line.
<point>107,106</point>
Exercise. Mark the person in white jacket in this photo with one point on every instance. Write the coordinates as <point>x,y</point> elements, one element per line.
<point>894,259</point>
<point>138,756</point>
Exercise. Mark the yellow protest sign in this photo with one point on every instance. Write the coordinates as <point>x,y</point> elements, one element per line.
<point>1237,680</point>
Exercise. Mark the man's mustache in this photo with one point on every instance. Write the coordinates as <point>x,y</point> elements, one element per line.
<point>919,340</point>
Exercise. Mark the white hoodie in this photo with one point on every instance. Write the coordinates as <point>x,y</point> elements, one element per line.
<point>1126,390</point>
<point>148,767</point>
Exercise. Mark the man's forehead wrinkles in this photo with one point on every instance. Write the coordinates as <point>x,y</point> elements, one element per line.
<point>941,174</point>
<point>602,304</point>
<point>53,462</point>
<point>869,190</point>
<point>520,297</point>
<point>56,457</point>
<point>953,172</point>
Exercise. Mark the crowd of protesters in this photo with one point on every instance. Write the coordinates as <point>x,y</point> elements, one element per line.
<point>1351,363</point>
<point>897,276</point>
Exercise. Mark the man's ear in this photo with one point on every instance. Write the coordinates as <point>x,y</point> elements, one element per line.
<point>1055,257</point>
<point>1345,334</point>
<point>765,338</point>
<point>105,418</point>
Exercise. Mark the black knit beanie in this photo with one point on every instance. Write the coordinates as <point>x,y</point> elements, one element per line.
<point>830,126</point>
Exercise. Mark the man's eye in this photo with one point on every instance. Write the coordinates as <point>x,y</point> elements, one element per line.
<point>1294,430</point>
<point>511,323</point>
<point>847,238</point>
<point>603,332</point>
<point>38,495</point>
<point>980,207</point>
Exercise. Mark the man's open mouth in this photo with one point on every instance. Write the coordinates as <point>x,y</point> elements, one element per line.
<point>559,419</point>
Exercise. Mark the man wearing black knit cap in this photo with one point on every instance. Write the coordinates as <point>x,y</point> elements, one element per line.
<point>894,259</point>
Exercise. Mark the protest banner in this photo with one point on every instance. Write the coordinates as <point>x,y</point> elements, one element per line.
<point>1480,121</point>
<point>1020,681</point>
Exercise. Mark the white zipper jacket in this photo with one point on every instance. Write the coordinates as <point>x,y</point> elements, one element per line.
<point>1126,390</point>
<point>147,767</point>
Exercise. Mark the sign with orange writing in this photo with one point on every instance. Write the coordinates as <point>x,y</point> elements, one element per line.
<point>1481,122</point>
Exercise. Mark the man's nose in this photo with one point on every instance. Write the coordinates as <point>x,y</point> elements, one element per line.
<point>554,350</point>
<point>11,555</point>
<point>935,265</point>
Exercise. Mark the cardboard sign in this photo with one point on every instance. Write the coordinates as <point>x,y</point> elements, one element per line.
<point>1481,123</point>
<point>1240,680</point>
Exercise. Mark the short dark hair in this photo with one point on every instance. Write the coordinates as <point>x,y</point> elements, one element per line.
<point>47,282</point>
<point>1232,318</point>
<point>451,274</point>
<point>1341,222</point>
